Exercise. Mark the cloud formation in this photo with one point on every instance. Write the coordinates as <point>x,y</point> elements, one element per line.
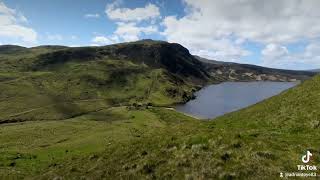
<point>274,51</point>
<point>132,32</point>
<point>12,26</point>
<point>279,56</point>
<point>210,22</point>
<point>101,40</point>
<point>129,22</point>
<point>150,11</point>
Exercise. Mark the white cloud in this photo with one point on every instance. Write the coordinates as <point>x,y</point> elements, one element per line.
<point>150,11</point>
<point>203,42</point>
<point>275,55</point>
<point>313,50</point>
<point>92,15</point>
<point>278,56</point>
<point>129,21</point>
<point>5,10</point>
<point>124,32</point>
<point>132,32</point>
<point>274,51</point>
<point>311,55</point>
<point>104,40</point>
<point>268,22</point>
<point>11,26</point>
<point>101,40</point>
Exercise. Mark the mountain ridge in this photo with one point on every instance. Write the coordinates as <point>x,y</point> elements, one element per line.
<point>58,82</point>
<point>247,72</point>
<point>135,50</point>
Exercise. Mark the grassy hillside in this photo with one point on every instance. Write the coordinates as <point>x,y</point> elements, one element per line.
<point>103,112</point>
<point>57,83</point>
<point>78,88</point>
<point>138,142</point>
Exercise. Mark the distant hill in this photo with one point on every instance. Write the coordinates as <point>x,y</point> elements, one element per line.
<point>229,71</point>
<point>314,70</point>
<point>11,49</point>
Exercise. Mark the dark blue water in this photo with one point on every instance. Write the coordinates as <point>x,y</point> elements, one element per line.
<point>216,100</point>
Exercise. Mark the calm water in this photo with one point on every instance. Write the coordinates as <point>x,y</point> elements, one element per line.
<point>216,100</point>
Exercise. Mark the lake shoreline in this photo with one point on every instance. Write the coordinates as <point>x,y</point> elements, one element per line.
<point>230,96</point>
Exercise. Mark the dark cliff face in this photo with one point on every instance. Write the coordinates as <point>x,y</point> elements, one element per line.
<point>171,56</point>
<point>156,54</point>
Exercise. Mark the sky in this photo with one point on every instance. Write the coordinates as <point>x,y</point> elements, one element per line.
<point>273,33</point>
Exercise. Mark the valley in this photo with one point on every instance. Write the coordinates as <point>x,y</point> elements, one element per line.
<point>102,112</point>
<point>56,82</point>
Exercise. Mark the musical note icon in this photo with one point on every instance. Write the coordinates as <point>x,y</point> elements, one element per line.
<point>306,158</point>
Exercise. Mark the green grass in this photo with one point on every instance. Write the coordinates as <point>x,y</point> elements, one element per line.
<point>109,118</point>
<point>259,141</point>
<point>78,88</point>
<point>58,83</point>
<point>33,147</point>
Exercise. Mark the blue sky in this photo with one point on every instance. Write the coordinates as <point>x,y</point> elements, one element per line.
<point>280,34</point>
<point>65,22</point>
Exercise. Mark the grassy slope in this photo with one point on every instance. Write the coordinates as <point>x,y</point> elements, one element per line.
<point>259,141</point>
<point>32,89</point>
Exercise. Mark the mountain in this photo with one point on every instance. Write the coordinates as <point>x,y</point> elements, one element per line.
<point>229,71</point>
<point>58,82</point>
<point>315,70</point>
<point>104,113</point>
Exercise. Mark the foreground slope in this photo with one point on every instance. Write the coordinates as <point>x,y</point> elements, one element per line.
<point>258,142</point>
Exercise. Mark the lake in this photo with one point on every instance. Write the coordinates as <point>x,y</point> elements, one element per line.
<point>216,100</point>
